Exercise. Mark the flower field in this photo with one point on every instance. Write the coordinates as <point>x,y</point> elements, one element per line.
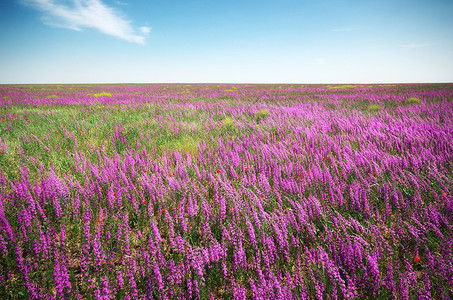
<point>205,191</point>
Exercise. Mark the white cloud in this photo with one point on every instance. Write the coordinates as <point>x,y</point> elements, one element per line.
<point>81,14</point>
<point>412,46</point>
<point>145,29</point>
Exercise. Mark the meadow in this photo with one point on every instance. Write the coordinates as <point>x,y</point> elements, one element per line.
<point>206,191</point>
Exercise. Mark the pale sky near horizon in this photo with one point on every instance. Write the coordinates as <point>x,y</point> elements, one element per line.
<point>199,41</point>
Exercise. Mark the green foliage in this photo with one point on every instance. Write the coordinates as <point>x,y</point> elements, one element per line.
<point>183,145</point>
<point>413,100</point>
<point>229,123</point>
<point>103,94</point>
<point>374,108</point>
<point>261,114</point>
<point>342,87</point>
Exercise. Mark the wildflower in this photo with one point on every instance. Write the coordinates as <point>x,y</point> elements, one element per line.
<point>374,173</point>
<point>417,259</point>
<point>190,227</point>
<point>303,230</point>
<point>144,202</point>
<point>100,220</point>
<point>144,171</point>
<point>169,175</point>
<point>300,175</point>
<point>444,194</point>
<point>218,171</point>
<point>56,132</point>
<point>114,194</point>
<point>164,210</point>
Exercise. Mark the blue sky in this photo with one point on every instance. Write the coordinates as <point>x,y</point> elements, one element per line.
<point>267,41</point>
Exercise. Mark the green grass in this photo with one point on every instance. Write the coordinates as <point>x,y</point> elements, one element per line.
<point>374,108</point>
<point>413,100</point>
<point>228,123</point>
<point>261,114</point>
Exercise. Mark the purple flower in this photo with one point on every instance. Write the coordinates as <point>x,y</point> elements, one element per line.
<point>158,277</point>
<point>120,280</point>
<point>3,248</point>
<point>373,273</point>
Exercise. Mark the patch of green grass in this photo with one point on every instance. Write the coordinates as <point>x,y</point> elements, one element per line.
<point>103,94</point>
<point>261,114</point>
<point>342,87</point>
<point>228,123</point>
<point>374,108</point>
<point>413,100</point>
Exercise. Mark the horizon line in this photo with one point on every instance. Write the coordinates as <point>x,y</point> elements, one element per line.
<point>226,83</point>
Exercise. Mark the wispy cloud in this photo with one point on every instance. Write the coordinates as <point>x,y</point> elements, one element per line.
<point>412,46</point>
<point>79,14</point>
<point>145,29</point>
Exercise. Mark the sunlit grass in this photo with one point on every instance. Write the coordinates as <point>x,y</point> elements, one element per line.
<point>374,108</point>
<point>413,100</point>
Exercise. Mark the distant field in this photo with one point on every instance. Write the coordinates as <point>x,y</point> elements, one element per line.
<point>186,191</point>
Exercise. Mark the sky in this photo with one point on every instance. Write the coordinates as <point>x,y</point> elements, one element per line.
<point>217,41</point>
